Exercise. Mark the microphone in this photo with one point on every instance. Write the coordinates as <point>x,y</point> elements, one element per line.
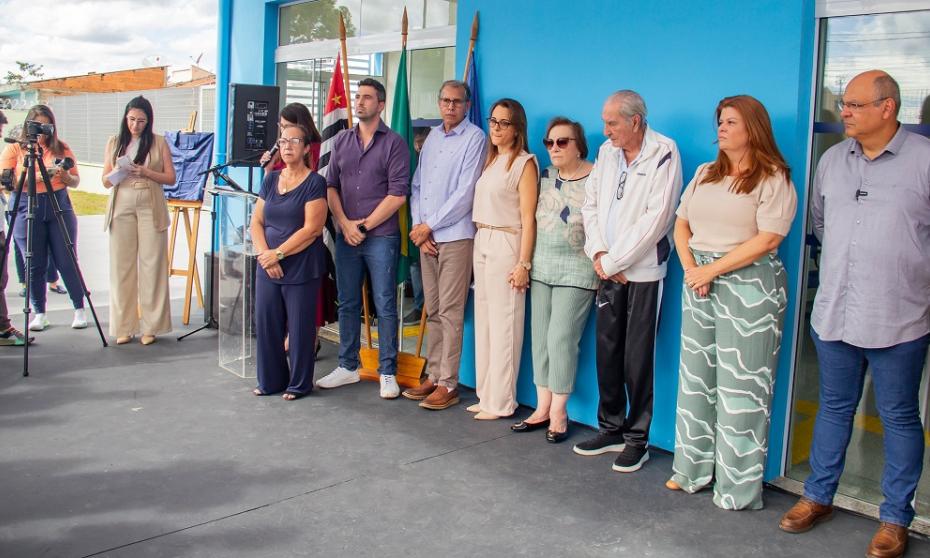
<point>11,140</point>
<point>274,150</point>
<point>861,194</point>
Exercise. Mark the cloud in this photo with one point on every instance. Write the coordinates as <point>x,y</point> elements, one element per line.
<point>73,37</point>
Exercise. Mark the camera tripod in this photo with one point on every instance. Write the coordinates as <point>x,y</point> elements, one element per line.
<point>27,180</point>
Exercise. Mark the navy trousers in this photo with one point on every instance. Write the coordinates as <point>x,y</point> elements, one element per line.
<point>282,310</point>
<point>48,244</point>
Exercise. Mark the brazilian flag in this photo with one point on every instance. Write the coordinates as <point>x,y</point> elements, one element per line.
<point>400,123</point>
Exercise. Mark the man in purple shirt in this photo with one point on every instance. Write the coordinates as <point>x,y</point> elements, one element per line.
<point>442,192</point>
<point>368,177</point>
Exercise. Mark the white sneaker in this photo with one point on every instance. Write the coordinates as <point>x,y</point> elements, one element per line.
<point>80,319</point>
<point>389,387</point>
<point>39,323</point>
<point>338,377</point>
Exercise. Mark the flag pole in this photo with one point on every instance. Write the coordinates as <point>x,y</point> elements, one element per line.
<point>400,288</point>
<point>471,45</point>
<point>403,30</point>
<point>345,68</point>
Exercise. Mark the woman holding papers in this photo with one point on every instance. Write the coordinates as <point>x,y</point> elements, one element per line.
<point>49,245</point>
<point>137,165</point>
<point>287,229</point>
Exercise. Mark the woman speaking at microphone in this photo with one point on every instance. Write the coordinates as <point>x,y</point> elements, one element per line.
<point>137,219</point>
<point>47,240</point>
<point>287,228</point>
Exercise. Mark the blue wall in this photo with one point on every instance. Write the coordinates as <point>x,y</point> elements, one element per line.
<point>565,58</point>
<point>683,57</point>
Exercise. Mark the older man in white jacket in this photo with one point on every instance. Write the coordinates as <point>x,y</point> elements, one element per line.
<point>628,214</point>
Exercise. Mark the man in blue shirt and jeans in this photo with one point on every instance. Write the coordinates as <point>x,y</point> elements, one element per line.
<point>870,208</point>
<point>367,178</point>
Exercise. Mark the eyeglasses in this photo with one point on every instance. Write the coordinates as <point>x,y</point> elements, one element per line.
<point>561,142</point>
<point>446,102</point>
<point>283,142</point>
<point>621,185</point>
<point>501,124</point>
<point>856,107</point>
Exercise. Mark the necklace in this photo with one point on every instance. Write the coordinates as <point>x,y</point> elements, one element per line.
<point>573,174</point>
<point>286,182</point>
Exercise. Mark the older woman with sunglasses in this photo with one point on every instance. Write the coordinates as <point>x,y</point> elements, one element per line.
<point>563,281</point>
<point>504,214</point>
<point>287,228</point>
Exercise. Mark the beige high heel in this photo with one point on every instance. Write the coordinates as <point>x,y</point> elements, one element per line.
<point>123,340</point>
<point>147,339</point>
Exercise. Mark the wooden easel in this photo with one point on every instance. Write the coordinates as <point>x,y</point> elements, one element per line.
<point>177,208</point>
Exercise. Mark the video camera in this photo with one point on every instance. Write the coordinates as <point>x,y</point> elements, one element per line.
<point>32,129</point>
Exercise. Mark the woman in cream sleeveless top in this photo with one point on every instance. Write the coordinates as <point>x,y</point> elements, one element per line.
<point>137,220</point>
<point>505,215</point>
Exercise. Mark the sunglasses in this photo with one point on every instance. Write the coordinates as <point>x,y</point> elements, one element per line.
<point>621,185</point>
<point>561,142</point>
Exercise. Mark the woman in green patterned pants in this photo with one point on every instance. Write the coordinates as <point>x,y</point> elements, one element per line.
<point>732,217</point>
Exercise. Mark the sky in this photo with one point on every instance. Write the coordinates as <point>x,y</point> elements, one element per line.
<point>74,37</point>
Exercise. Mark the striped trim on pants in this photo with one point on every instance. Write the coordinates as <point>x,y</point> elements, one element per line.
<point>729,352</point>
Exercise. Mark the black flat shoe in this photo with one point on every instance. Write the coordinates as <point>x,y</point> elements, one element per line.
<point>524,426</point>
<point>556,437</point>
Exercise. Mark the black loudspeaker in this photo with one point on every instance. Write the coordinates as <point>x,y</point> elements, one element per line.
<point>254,125</point>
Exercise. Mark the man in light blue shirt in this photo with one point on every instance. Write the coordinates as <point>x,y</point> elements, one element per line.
<point>441,196</point>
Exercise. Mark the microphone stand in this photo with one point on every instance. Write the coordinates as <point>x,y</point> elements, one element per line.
<point>217,171</point>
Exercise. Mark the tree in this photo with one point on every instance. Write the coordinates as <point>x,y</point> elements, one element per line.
<point>314,21</point>
<point>27,70</point>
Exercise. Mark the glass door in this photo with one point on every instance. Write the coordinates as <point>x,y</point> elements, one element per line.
<point>898,43</point>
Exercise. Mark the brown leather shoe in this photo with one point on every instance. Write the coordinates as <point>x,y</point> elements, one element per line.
<point>420,393</point>
<point>804,516</point>
<point>441,398</point>
<point>890,541</point>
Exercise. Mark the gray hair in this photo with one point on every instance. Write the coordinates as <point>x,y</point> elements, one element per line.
<point>630,103</point>
<point>458,84</point>
<point>887,88</point>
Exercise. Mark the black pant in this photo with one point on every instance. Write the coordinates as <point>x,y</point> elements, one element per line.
<point>626,335</point>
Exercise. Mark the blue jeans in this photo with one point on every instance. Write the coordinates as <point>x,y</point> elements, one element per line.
<point>49,245</point>
<point>379,255</point>
<point>896,373</point>
<point>416,282</point>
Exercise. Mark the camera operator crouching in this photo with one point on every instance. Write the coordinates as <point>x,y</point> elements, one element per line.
<point>47,236</point>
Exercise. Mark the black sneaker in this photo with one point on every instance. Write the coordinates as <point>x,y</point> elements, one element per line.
<point>413,316</point>
<point>631,459</point>
<point>600,444</point>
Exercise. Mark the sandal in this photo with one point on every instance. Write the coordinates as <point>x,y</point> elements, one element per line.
<point>258,392</point>
<point>290,396</point>
<point>58,289</point>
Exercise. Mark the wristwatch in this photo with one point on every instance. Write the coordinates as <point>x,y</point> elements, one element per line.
<point>279,254</point>
<point>526,265</point>
<point>362,228</point>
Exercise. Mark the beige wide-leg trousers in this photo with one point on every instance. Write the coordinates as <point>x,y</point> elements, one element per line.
<point>499,313</point>
<point>138,265</point>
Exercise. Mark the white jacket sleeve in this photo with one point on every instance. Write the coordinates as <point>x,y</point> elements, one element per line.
<point>654,223</point>
<point>593,240</point>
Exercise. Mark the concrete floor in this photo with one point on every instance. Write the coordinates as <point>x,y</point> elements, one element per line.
<point>136,451</point>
